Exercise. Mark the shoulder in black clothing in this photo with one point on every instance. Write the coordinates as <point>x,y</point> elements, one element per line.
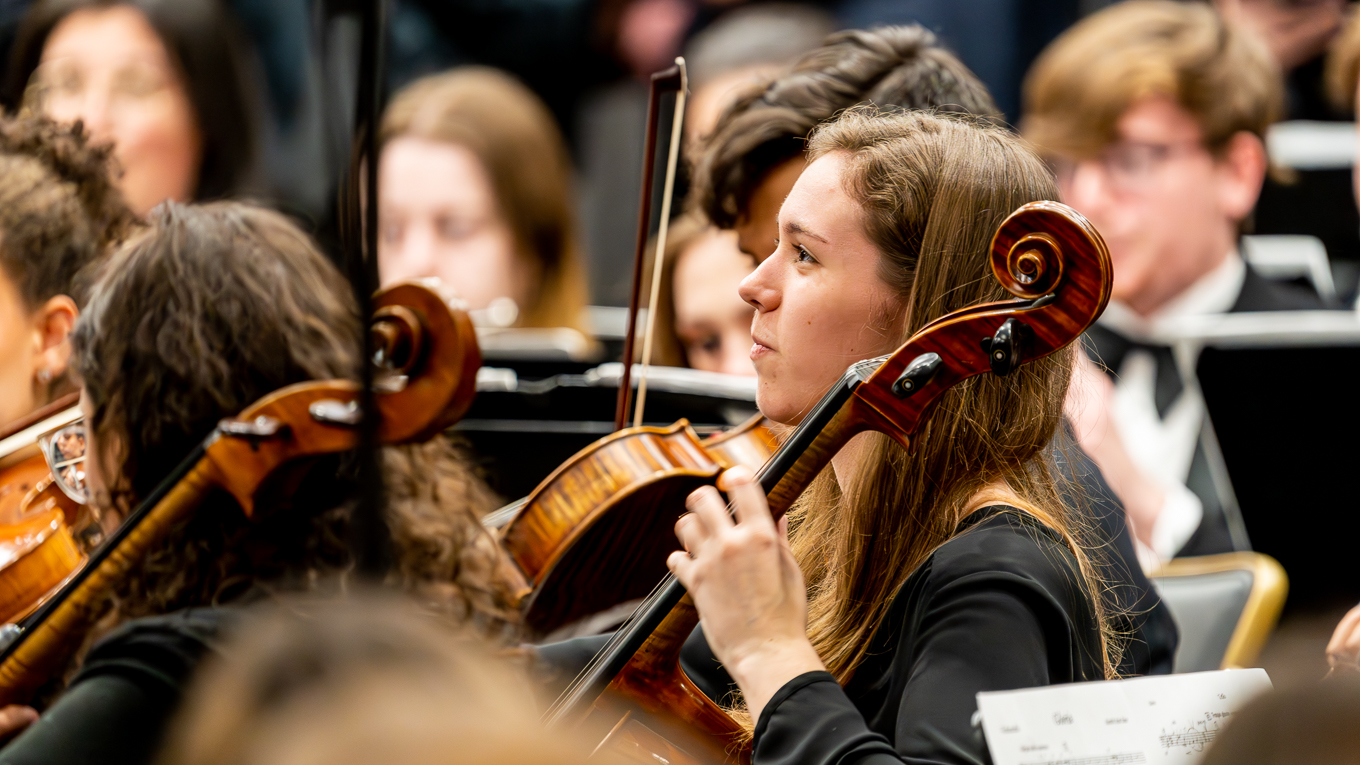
<point>118,705</point>
<point>1261,294</point>
<point>998,607</point>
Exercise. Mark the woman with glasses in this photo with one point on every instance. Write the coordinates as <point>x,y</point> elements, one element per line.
<point>165,82</point>
<point>203,313</point>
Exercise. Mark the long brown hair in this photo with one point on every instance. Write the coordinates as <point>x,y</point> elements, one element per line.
<point>933,189</point>
<point>206,311</point>
<point>514,136</point>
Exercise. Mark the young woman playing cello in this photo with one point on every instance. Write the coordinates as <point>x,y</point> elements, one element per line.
<point>200,315</point>
<point>903,582</point>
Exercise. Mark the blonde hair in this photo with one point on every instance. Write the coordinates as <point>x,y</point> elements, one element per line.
<point>361,681</point>
<point>933,190</point>
<point>1221,74</point>
<point>514,136</point>
<point>1342,74</point>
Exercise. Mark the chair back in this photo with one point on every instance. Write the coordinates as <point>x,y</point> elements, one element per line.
<point>1225,606</point>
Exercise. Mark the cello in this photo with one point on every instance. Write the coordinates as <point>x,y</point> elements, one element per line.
<point>633,697</point>
<point>427,359</point>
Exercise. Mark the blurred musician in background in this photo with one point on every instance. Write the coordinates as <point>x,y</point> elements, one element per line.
<point>755,153</point>
<point>702,323</point>
<point>59,213</point>
<point>165,82</point>
<point>203,313</point>
<point>1153,115</point>
<point>475,188</point>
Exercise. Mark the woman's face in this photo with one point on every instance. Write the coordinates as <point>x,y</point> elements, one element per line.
<point>21,348</point>
<point>711,319</point>
<point>108,67</point>
<point>820,303</point>
<point>438,216</point>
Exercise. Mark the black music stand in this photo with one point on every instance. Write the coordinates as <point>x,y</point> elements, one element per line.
<point>1280,390</point>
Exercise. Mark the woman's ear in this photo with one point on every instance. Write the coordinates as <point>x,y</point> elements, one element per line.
<point>52,323</point>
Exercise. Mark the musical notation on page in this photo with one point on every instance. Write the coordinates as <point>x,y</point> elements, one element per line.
<point>1169,720</point>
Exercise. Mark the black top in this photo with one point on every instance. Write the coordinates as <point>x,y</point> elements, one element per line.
<point>116,708</point>
<point>998,607</point>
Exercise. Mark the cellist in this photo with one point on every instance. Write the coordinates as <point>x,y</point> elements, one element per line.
<point>199,315</point>
<point>902,583</point>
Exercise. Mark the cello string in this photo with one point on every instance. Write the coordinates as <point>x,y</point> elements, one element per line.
<point>667,190</point>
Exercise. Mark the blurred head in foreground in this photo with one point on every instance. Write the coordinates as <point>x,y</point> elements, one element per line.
<point>360,681</point>
<point>1306,725</point>
<point>165,82</point>
<point>1153,114</point>
<point>475,188</point>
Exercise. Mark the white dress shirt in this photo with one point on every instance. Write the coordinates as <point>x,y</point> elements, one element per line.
<point>1163,447</point>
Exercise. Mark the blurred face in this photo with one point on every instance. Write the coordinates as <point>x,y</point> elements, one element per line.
<point>820,304</point>
<point>712,320</point>
<point>109,68</point>
<point>1166,206</point>
<point>21,348</point>
<point>758,226</point>
<point>438,216</point>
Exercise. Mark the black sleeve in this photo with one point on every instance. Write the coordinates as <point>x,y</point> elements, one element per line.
<point>979,633</point>
<point>119,703</point>
<point>105,719</point>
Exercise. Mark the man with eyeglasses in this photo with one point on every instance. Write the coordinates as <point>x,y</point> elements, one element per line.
<point>1153,116</point>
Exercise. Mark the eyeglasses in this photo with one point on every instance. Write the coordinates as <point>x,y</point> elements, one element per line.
<point>1130,166</point>
<point>64,450</point>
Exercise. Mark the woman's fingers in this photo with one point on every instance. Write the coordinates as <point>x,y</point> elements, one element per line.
<point>689,529</point>
<point>14,719</point>
<point>751,506</point>
<point>706,503</point>
<point>1345,642</point>
<point>682,566</point>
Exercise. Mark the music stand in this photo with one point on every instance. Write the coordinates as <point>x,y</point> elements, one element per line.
<point>1280,392</point>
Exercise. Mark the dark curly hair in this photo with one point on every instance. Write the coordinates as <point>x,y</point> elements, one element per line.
<point>203,313</point>
<point>59,208</point>
<point>901,66</point>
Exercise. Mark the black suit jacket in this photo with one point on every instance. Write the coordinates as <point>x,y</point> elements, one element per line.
<point>1257,294</point>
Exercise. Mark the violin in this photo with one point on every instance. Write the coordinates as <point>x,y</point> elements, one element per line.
<point>610,496</point>
<point>39,549</point>
<point>634,697</point>
<point>427,359</point>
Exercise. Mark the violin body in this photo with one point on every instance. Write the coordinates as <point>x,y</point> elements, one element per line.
<point>614,495</point>
<point>38,549</point>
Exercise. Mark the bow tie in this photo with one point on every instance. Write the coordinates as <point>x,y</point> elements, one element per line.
<point>1109,349</point>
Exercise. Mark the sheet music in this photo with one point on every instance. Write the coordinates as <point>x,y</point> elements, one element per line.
<point>1167,720</point>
